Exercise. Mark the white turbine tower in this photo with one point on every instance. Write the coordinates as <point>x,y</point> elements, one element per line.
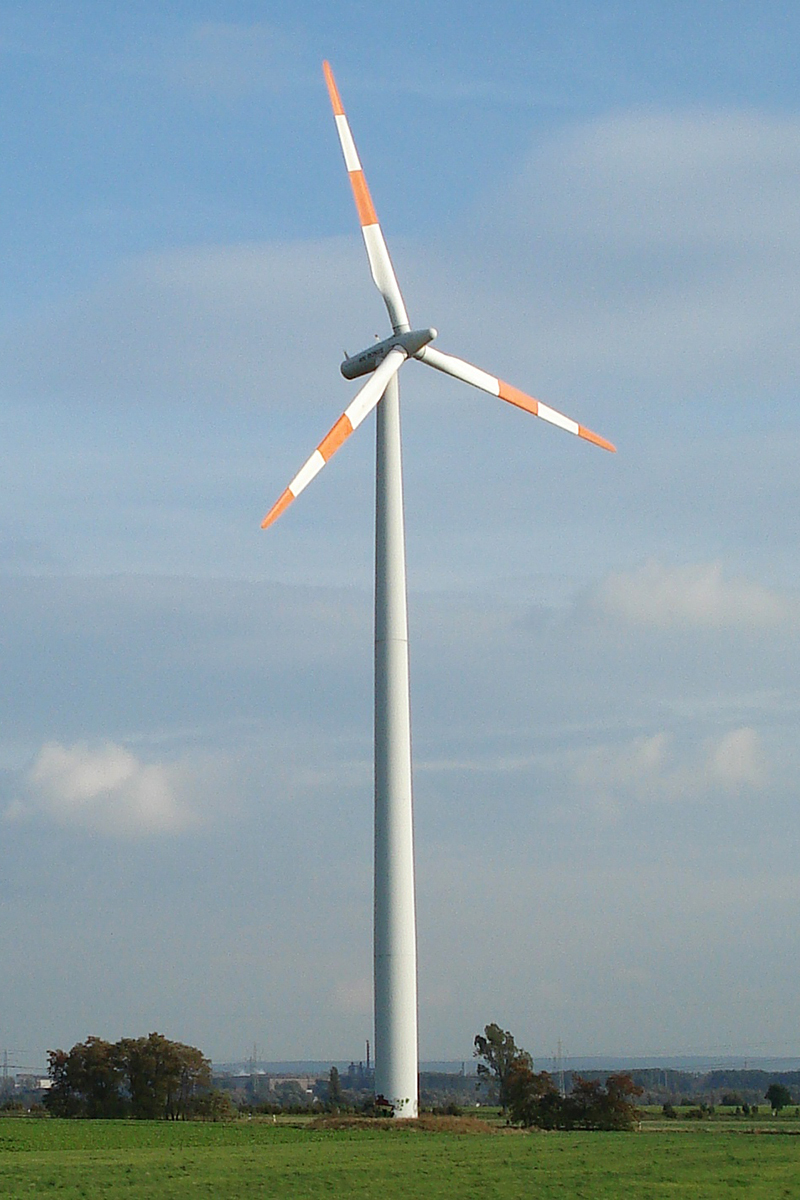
<point>395,950</point>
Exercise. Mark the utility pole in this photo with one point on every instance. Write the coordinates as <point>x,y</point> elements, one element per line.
<point>253,1073</point>
<point>6,1066</point>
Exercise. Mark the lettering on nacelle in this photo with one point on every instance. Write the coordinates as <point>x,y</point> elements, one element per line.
<point>367,360</point>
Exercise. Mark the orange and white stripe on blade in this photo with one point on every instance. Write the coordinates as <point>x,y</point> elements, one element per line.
<point>465,371</point>
<point>377,251</point>
<point>359,407</point>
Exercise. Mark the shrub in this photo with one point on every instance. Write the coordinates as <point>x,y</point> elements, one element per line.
<point>533,1099</point>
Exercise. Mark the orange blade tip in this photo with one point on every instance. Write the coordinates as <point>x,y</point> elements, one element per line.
<point>279,507</point>
<point>596,439</point>
<point>333,91</point>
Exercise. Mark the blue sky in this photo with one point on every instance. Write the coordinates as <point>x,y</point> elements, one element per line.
<point>596,201</point>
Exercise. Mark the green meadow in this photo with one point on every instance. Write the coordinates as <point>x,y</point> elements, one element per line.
<point>455,1160</point>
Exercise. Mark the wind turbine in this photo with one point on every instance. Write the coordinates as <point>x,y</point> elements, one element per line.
<point>395,949</point>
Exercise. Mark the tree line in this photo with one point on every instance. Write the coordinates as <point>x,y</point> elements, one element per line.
<point>147,1077</point>
<point>531,1098</point>
<point>158,1079</point>
<point>730,1085</point>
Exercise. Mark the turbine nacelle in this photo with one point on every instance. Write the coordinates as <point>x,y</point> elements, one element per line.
<point>367,360</point>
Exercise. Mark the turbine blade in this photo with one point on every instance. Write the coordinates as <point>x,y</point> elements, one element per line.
<point>379,261</point>
<point>359,407</point>
<point>465,371</point>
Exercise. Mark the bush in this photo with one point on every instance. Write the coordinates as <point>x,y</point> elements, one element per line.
<point>11,1108</point>
<point>779,1097</point>
<point>213,1105</point>
<point>534,1100</point>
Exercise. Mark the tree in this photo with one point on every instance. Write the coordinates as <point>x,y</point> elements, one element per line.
<point>213,1105</point>
<point>290,1094</point>
<point>535,1100</point>
<point>609,1108</point>
<point>500,1055</point>
<point>162,1076</point>
<point>778,1096</point>
<point>334,1088</point>
<point>140,1077</point>
<point>62,1099</point>
<point>86,1081</point>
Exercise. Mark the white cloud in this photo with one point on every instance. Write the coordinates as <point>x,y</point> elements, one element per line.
<point>219,323</point>
<point>692,596</point>
<point>736,760</point>
<point>222,60</point>
<point>674,165</point>
<point>658,768</point>
<point>661,250</point>
<point>220,57</point>
<point>105,790</point>
<point>657,251</point>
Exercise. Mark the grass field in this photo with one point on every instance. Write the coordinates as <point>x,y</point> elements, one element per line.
<point>258,1159</point>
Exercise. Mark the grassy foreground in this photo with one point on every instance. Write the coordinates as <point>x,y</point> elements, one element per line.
<point>259,1159</point>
